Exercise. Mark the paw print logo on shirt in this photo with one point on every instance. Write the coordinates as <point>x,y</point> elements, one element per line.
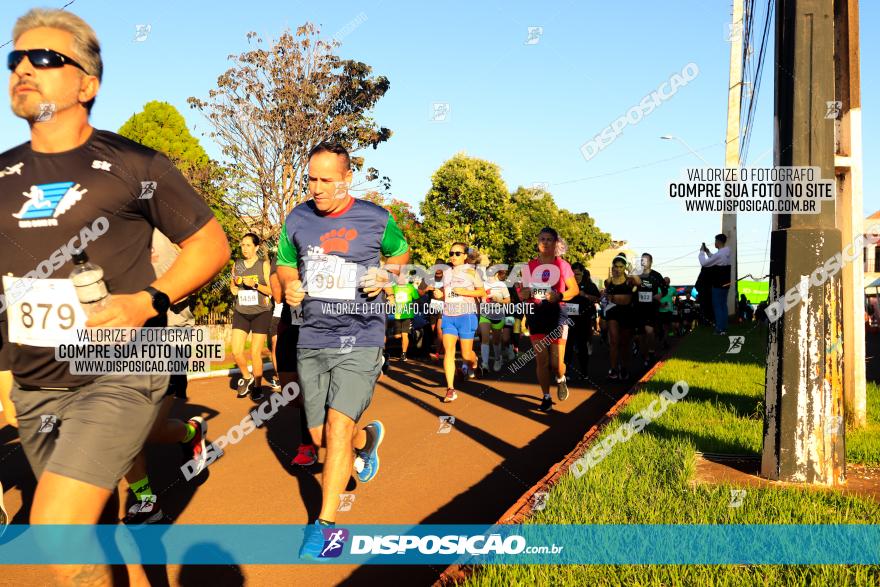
<point>337,241</point>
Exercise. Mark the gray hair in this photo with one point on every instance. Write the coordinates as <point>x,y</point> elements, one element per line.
<point>87,49</point>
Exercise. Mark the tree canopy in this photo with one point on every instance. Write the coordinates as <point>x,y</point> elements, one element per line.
<point>161,127</point>
<point>276,102</point>
<point>468,201</point>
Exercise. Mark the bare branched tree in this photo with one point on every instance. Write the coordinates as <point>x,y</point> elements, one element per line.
<point>273,105</point>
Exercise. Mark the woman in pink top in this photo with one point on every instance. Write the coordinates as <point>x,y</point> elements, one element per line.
<point>551,284</point>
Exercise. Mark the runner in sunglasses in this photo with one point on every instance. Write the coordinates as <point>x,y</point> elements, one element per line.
<point>73,175</point>
<point>462,286</point>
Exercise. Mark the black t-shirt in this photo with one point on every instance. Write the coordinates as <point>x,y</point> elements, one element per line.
<point>586,307</point>
<point>48,199</point>
<point>652,284</point>
<point>686,307</point>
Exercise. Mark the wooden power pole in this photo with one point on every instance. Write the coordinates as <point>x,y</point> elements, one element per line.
<point>731,152</point>
<point>803,424</point>
<point>847,114</point>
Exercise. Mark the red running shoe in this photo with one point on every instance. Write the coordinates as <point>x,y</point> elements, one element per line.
<point>306,455</point>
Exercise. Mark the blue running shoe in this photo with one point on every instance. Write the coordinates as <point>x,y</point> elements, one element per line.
<point>313,541</point>
<point>370,453</point>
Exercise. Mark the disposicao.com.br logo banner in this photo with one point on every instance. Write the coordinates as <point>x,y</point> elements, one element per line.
<point>445,544</point>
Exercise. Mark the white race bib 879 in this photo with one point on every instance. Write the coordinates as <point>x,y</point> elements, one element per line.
<point>42,312</point>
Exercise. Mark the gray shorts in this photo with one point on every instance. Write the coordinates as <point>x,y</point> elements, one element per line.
<point>344,381</point>
<point>91,433</point>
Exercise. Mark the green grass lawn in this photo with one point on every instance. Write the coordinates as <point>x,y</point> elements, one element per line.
<point>647,480</point>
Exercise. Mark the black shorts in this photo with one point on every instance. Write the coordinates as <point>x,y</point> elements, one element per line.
<point>177,383</point>
<point>545,319</point>
<point>646,315</point>
<point>256,323</point>
<point>285,349</point>
<point>623,315</point>
<point>273,326</point>
<point>401,326</point>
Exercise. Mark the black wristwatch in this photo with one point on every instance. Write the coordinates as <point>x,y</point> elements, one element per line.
<point>161,301</point>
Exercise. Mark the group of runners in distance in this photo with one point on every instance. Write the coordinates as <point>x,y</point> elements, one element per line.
<point>335,358</point>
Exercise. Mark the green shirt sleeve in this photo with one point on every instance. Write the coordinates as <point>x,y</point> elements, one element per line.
<point>287,253</point>
<point>393,241</point>
<point>413,292</point>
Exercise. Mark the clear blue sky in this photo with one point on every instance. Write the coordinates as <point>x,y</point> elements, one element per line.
<point>528,108</point>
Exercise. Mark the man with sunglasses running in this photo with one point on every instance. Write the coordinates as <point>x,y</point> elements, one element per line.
<point>84,190</point>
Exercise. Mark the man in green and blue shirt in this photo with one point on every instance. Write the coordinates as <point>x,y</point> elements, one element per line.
<point>328,261</point>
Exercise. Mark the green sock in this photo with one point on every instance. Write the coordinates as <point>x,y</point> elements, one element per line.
<point>141,489</point>
<point>190,432</point>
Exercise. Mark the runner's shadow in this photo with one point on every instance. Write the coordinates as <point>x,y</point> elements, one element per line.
<point>488,499</point>
<point>283,437</point>
<point>16,472</point>
<point>194,574</point>
<point>168,482</point>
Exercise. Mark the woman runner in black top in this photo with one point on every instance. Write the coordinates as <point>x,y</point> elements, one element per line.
<point>619,289</point>
<point>252,314</point>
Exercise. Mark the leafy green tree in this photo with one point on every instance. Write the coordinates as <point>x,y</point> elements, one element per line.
<point>404,216</point>
<point>161,127</point>
<point>468,201</point>
<point>533,209</point>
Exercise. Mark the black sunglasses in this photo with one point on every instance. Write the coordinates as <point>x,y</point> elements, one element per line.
<point>41,59</point>
<point>456,253</point>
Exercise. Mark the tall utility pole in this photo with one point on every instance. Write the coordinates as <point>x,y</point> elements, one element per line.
<point>846,110</point>
<point>731,153</point>
<point>803,424</point>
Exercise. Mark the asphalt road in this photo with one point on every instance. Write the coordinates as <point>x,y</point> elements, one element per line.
<point>498,447</point>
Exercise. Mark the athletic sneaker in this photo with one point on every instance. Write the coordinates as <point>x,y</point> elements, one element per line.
<point>306,455</point>
<point>4,517</point>
<point>562,389</point>
<point>313,541</point>
<point>465,371</point>
<point>510,354</point>
<point>195,449</point>
<point>370,453</point>
<point>403,358</point>
<point>435,356</point>
<point>385,364</point>
<point>546,404</point>
<point>274,384</point>
<point>496,366</point>
<point>146,511</point>
<point>624,374</point>
<point>257,393</point>
<point>451,396</point>
<point>613,375</point>
<point>244,387</point>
